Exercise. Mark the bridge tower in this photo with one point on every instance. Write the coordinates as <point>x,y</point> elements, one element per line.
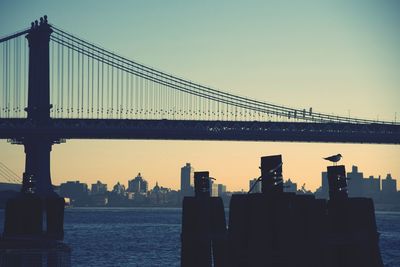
<point>38,147</point>
<point>25,214</point>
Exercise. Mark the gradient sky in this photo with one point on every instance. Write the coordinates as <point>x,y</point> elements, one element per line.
<point>338,57</point>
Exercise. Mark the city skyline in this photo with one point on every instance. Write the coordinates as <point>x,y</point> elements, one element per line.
<point>334,57</point>
<point>126,181</point>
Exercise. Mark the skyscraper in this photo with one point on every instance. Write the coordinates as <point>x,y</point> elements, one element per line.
<point>213,188</point>
<point>99,188</point>
<point>138,185</point>
<point>355,182</point>
<point>221,190</point>
<point>187,179</point>
<point>389,185</point>
<point>289,186</point>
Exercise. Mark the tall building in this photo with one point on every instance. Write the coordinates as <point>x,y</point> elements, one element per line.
<point>119,189</point>
<point>187,180</point>
<point>257,186</point>
<point>355,182</point>
<point>389,190</point>
<point>372,187</point>
<point>138,185</point>
<point>73,190</point>
<point>324,193</point>
<point>389,185</point>
<point>289,186</point>
<point>213,188</point>
<point>221,190</point>
<point>98,188</point>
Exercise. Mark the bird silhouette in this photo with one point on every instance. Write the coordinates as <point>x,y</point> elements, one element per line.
<point>334,158</point>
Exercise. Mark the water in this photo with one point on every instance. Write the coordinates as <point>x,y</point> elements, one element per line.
<point>124,236</point>
<point>389,228</point>
<point>151,236</point>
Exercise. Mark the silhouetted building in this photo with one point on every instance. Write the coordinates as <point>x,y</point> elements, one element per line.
<point>358,186</point>
<point>289,186</point>
<point>213,188</point>
<point>160,195</point>
<point>221,190</point>
<point>257,186</point>
<point>372,187</point>
<point>98,188</point>
<point>324,192</point>
<point>119,189</point>
<point>389,192</point>
<point>138,185</point>
<point>187,180</point>
<point>73,190</point>
<point>389,185</point>
<point>355,183</point>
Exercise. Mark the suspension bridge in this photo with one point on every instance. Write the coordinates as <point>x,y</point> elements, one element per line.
<point>57,86</point>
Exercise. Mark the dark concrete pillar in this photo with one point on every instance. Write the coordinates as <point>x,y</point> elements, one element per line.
<point>37,166</point>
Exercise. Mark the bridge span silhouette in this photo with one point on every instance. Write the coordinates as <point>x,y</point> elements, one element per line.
<point>57,86</point>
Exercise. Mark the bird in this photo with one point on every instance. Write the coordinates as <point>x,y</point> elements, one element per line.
<point>334,158</point>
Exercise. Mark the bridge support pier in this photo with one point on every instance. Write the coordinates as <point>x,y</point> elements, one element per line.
<point>37,166</point>
<point>38,212</point>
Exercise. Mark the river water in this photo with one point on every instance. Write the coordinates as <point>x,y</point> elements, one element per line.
<point>151,236</point>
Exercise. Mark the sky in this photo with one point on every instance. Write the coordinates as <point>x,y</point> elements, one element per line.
<point>337,57</point>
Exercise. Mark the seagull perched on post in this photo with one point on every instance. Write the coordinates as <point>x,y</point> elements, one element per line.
<point>334,158</point>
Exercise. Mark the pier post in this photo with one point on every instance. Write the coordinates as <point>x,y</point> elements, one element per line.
<point>203,227</point>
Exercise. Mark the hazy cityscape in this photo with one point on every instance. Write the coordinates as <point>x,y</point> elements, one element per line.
<point>138,192</point>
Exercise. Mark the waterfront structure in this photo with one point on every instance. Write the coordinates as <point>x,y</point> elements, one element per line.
<point>187,180</point>
<point>372,187</point>
<point>221,190</point>
<point>74,190</point>
<point>389,191</point>
<point>213,188</point>
<point>355,182</point>
<point>289,186</point>
<point>380,190</point>
<point>138,185</point>
<point>98,188</point>
<point>389,185</point>
<point>119,189</point>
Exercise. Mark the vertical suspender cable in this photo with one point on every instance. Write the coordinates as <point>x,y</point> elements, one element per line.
<point>78,74</point>
<point>87,88</point>
<point>82,83</point>
<point>52,89</point>
<point>112,92</point>
<point>62,80</point>
<point>72,82</point>
<point>102,90</point>
<point>117,111</point>
<point>98,89</point>
<point>3,98</point>
<point>8,81</point>
<point>68,81</point>
<point>108,90</point>
<point>91,87</point>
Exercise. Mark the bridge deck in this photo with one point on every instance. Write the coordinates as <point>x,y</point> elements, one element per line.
<point>203,130</point>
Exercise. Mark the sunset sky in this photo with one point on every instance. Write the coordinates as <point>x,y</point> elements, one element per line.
<point>339,57</point>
